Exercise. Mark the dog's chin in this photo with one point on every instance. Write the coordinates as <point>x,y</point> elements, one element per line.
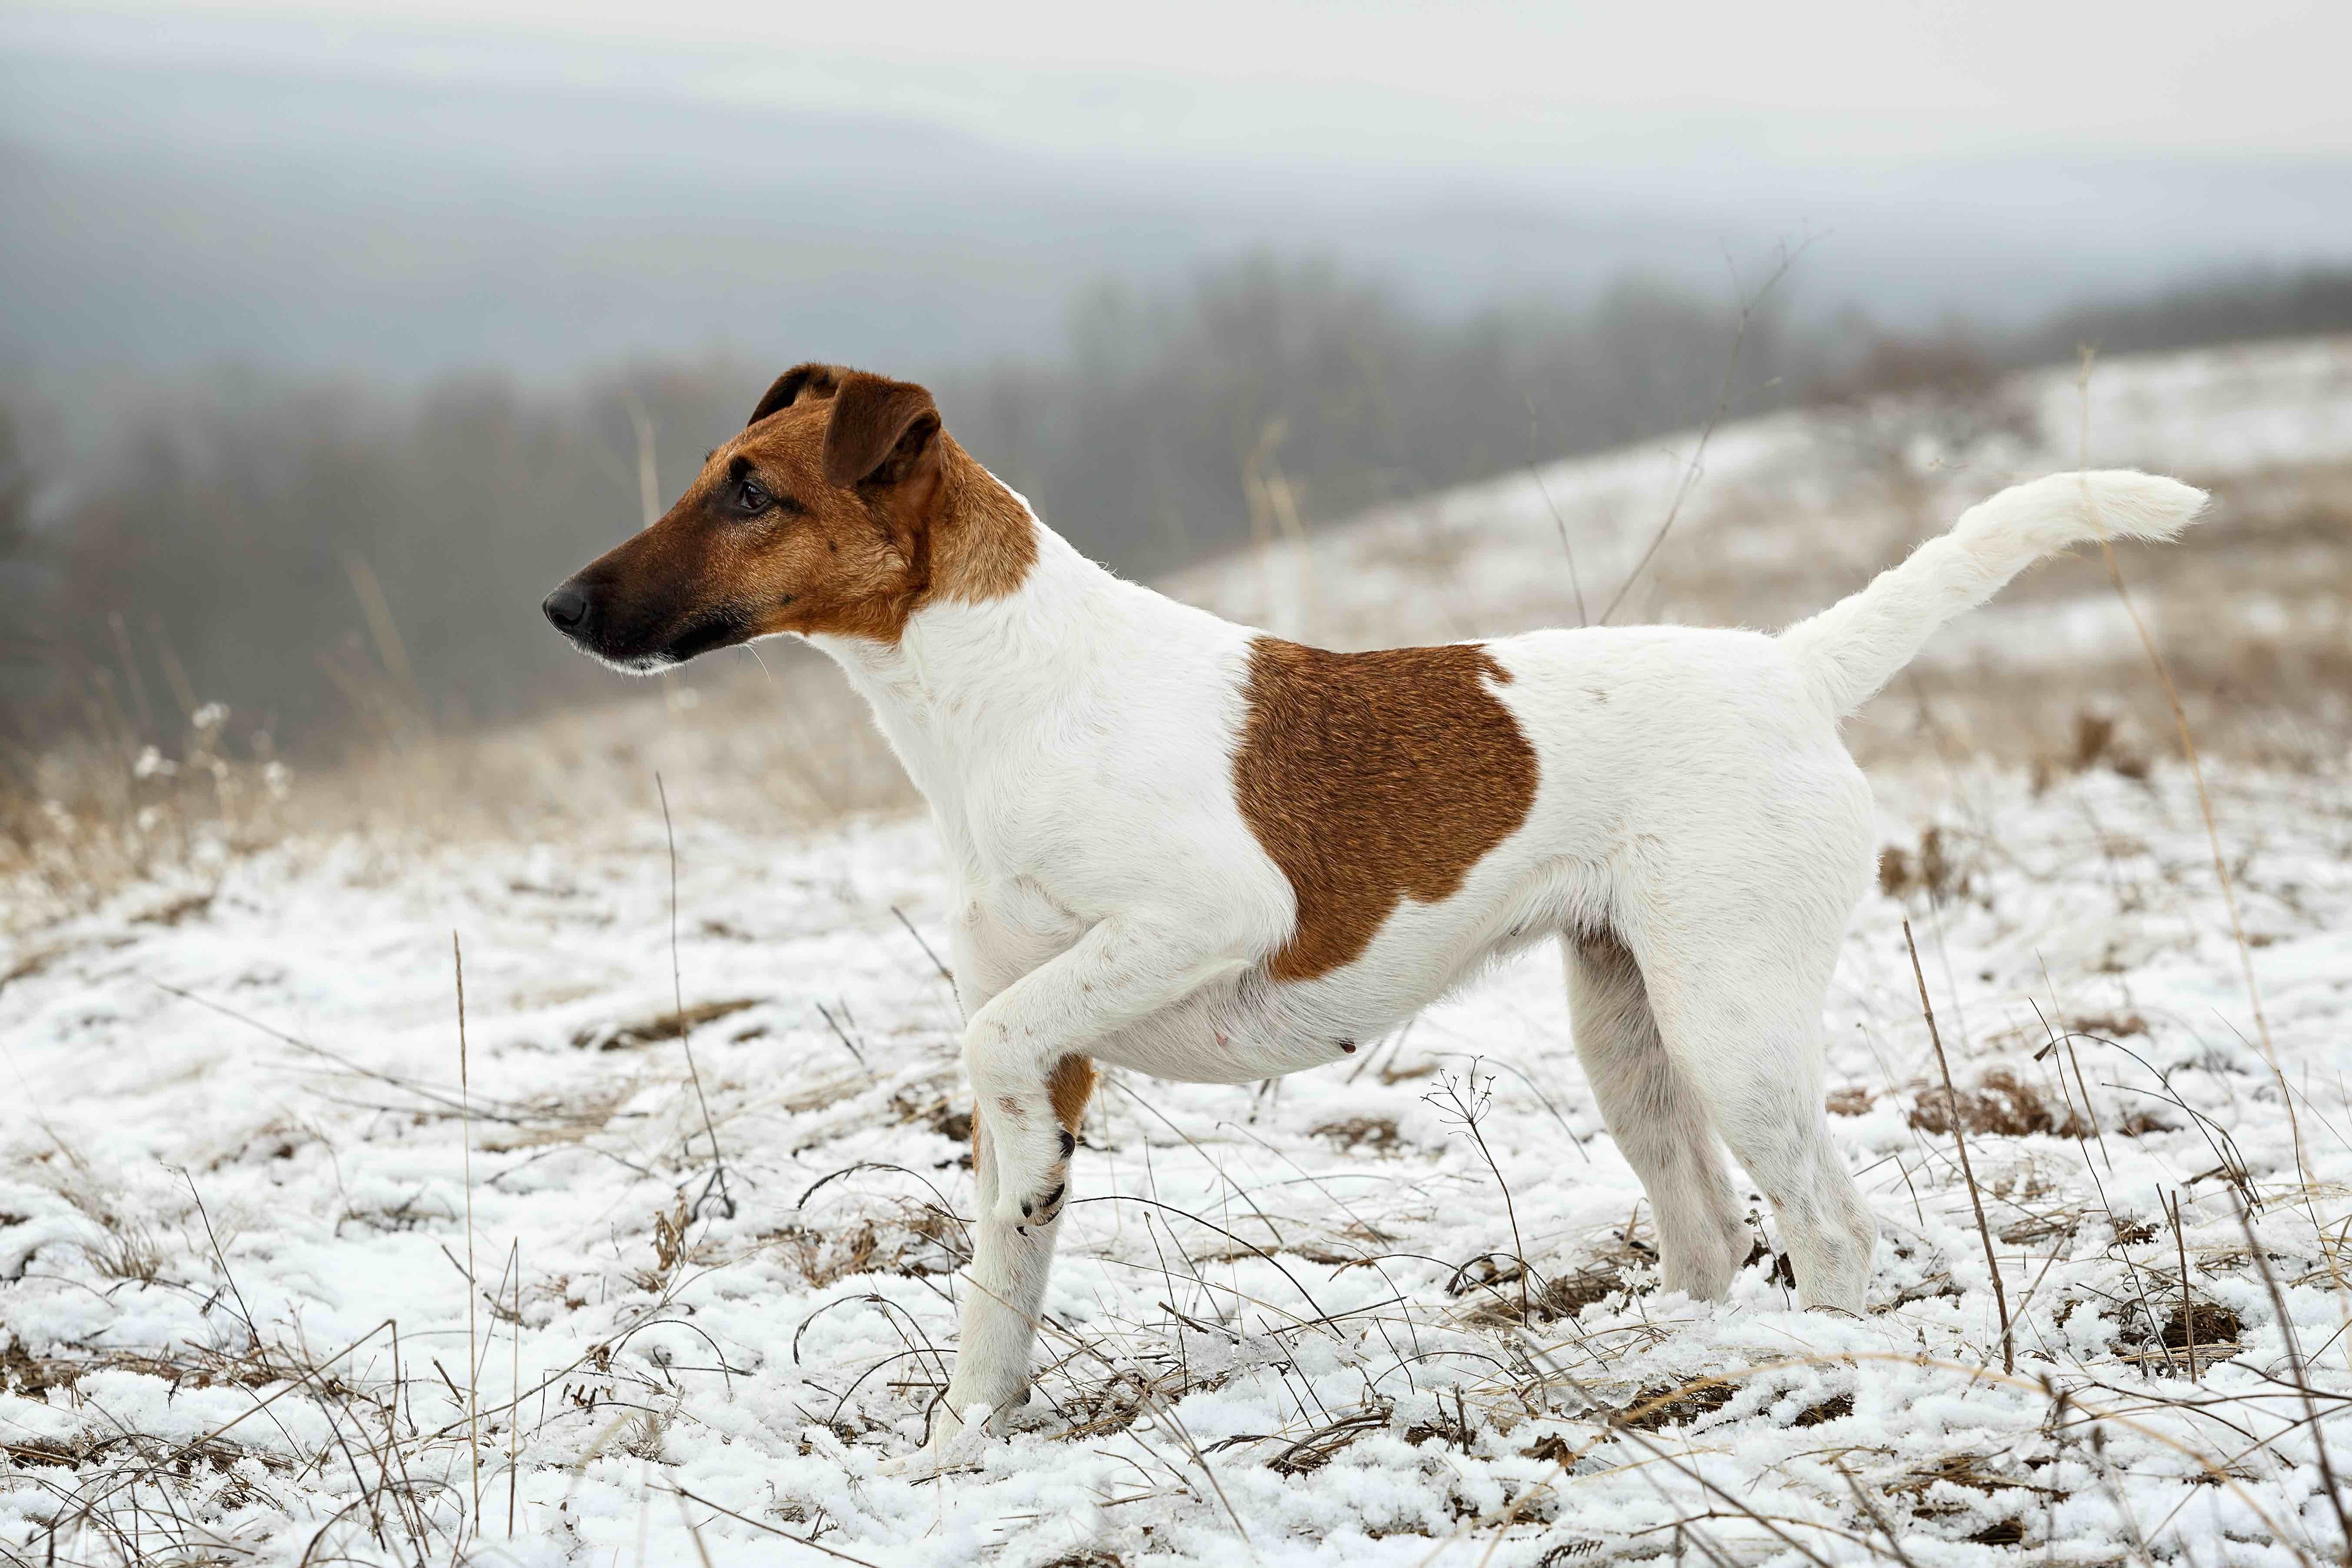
<point>642,665</point>
<point>646,663</point>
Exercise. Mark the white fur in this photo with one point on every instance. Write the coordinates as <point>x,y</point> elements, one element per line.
<point>1698,840</point>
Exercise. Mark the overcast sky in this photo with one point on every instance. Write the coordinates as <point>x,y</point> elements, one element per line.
<point>401,187</point>
<point>1511,87</point>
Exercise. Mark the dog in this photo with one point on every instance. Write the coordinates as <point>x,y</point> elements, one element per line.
<point>1193,850</point>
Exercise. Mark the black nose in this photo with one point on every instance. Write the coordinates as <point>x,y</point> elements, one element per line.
<point>566,608</point>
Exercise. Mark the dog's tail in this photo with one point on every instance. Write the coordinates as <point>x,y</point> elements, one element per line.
<point>1856,646</point>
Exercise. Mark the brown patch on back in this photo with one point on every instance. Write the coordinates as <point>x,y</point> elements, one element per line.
<point>1071,1085</point>
<point>1374,778</point>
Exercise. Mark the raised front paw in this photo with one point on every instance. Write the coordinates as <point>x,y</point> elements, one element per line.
<point>1031,1151</point>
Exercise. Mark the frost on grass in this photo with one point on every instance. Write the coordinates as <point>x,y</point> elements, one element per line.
<point>1319,1316</point>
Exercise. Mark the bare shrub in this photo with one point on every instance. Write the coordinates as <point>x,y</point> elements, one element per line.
<point>1929,869</point>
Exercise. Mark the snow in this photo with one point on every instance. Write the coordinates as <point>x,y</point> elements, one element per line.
<point>246,1178</point>
<point>1235,1279</point>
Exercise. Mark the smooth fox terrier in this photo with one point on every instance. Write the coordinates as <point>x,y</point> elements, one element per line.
<point>1187,848</point>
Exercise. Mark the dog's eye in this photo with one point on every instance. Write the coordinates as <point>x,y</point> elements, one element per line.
<point>750,499</point>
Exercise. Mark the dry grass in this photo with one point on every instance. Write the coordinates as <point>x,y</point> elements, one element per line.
<point>779,746</point>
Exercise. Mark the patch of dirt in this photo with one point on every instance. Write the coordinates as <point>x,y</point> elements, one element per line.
<point>1377,1134</point>
<point>2001,1103</point>
<point>32,1375</point>
<point>660,1027</point>
<point>1496,1279</point>
<point>918,1242</point>
<point>1964,1471</point>
<point>1674,1405</point>
<point>1451,1427</point>
<point>176,911</point>
<point>39,1455</point>
<point>1571,1293</point>
<point>1835,1407</point>
<point>2039,1229</point>
<point>2214,1324</point>
<point>2168,1351</point>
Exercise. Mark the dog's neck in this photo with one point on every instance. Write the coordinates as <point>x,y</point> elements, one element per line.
<point>966,677</point>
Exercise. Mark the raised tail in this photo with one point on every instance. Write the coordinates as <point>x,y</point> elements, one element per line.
<point>1856,646</point>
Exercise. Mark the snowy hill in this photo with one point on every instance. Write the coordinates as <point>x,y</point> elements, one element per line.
<point>288,1280</point>
<point>1787,514</point>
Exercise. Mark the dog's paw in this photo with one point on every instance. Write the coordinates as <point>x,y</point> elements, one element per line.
<point>1033,1195</point>
<point>1032,1152</point>
<point>956,1440</point>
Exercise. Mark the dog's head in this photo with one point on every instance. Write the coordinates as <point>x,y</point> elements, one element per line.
<point>826,514</point>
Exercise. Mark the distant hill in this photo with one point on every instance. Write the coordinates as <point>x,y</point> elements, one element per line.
<point>167,214</point>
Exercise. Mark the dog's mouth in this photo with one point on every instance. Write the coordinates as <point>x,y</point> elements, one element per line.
<point>698,635</point>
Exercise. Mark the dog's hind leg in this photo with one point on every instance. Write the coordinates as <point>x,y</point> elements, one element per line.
<point>1006,1286</point>
<point>1741,1020</point>
<point>1658,1119</point>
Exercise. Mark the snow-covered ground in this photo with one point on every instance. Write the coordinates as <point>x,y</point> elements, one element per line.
<point>236,1223</point>
<point>244,1180</point>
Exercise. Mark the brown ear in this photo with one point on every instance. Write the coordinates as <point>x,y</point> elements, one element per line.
<point>881,430</point>
<point>813,378</point>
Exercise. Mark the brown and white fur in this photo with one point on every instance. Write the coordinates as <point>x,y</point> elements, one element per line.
<point>1187,848</point>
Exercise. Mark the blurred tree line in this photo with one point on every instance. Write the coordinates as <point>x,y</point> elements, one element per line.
<point>343,562</point>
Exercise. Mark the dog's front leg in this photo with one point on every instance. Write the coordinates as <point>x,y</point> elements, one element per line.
<point>1026,1050</point>
<point>1126,967</point>
<point>1007,1287</point>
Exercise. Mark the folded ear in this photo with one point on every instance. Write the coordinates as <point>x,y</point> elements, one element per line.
<point>882,431</point>
<point>812,379</point>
